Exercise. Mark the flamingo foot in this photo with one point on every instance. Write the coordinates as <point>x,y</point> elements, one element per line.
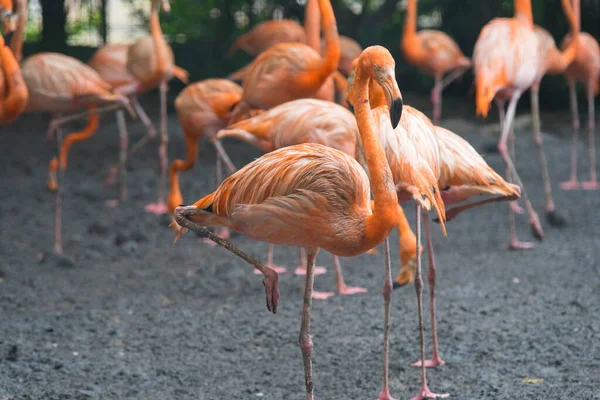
<point>156,208</point>
<point>276,268</point>
<point>571,184</point>
<point>385,395</point>
<point>516,208</point>
<point>555,219</point>
<point>590,185</point>
<point>322,295</point>
<point>351,290</point>
<point>425,393</point>
<point>536,227</point>
<point>110,177</point>
<point>517,245</point>
<point>302,271</point>
<point>271,283</point>
<point>434,362</point>
<point>112,203</point>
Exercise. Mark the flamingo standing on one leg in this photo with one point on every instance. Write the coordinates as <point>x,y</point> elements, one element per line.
<point>505,62</point>
<point>435,53</point>
<point>315,197</point>
<point>585,68</point>
<point>552,61</point>
<point>289,71</point>
<point>202,108</point>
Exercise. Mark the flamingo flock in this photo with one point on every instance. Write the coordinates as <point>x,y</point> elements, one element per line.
<point>342,149</point>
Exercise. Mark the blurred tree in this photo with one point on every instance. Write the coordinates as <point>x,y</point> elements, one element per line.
<point>54,22</point>
<point>103,20</point>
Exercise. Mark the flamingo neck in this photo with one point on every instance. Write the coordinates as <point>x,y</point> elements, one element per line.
<point>410,20</point>
<point>385,205</point>
<point>15,102</point>
<point>312,29</point>
<point>560,60</point>
<point>174,198</point>
<point>331,57</point>
<point>160,46</point>
<point>86,133</point>
<point>523,11</point>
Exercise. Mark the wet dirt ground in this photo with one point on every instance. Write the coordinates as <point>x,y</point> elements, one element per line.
<point>130,315</point>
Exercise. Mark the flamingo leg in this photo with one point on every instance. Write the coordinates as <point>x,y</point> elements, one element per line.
<point>573,183</point>
<point>424,392</point>
<point>279,270</point>
<point>222,232</point>
<point>271,280</point>
<point>452,76</point>
<point>58,199</point>
<point>534,221</point>
<point>160,207</point>
<point>592,184</point>
<point>57,122</point>
<point>387,296</point>
<point>305,341</point>
<point>436,99</point>
<point>123,154</point>
<point>301,269</point>
<point>514,205</point>
<point>553,217</point>
<point>339,278</point>
<point>435,359</point>
<point>144,117</point>
<point>224,157</point>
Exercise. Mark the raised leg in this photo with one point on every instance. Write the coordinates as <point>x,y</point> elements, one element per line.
<point>279,270</point>
<point>435,359</point>
<point>160,207</point>
<point>271,280</point>
<point>573,183</point>
<point>339,278</point>
<point>553,217</point>
<point>305,341</point>
<point>301,269</point>
<point>424,392</point>
<point>436,99</point>
<point>221,232</point>
<point>534,221</point>
<point>592,184</point>
<point>387,296</point>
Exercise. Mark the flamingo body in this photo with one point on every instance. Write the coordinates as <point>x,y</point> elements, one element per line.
<point>267,34</point>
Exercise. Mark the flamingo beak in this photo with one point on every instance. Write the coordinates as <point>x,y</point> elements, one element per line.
<point>396,112</point>
<point>392,94</point>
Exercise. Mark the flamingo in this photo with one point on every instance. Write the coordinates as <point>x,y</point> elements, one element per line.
<point>13,91</point>
<point>349,51</point>
<point>289,71</point>
<point>585,68</point>
<point>312,196</point>
<point>435,53</point>
<point>267,34</point>
<point>552,61</point>
<point>202,108</point>
<point>505,61</point>
<point>308,121</point>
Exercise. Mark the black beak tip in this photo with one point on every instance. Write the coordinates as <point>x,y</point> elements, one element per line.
<point>396,285</point>
<point>396,112</point>
<point>8,37</point>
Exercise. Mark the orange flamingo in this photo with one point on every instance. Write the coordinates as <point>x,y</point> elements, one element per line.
<point>585,68</point>
<point>289,71</point>
<point>552,61</point>
<point>267,34</point>
<point>202,108</point>
<point>150,61</point>
<point>433,52</point>
<point>313,196</point>
<point>349,51</point>
<point>13,91</point>
<point>308,121</point>
<point>505,61</point>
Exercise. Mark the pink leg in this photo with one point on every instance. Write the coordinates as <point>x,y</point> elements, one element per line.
<point>301,269</point>
<point>424,392</point>
<point>534,221</point>
<point>435,359</point>
<point>305,341</point>
<point>160,207</point>
<point>341,285</point>
<point>279,270</point>
<point>387,296</point>
<point>573,183</point>
<point>271,281</point>
<point>592,184</point>
<point>514,205</point>
<point>58,198</point>
<point>436,99</point>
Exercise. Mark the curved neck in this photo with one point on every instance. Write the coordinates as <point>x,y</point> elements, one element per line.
<point>523,11</point>
<point>385,208</point>
<point>15,102</point>
<point>16,45</point>
<point>560,60</point>
<point>87,132</point>
<point>312,29</point>
<point>160,46</point>
<point>174,198</point>
<point>410,20</point>
<point>331,58</point>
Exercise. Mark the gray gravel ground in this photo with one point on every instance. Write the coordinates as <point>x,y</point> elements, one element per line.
<point>130,315</point>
